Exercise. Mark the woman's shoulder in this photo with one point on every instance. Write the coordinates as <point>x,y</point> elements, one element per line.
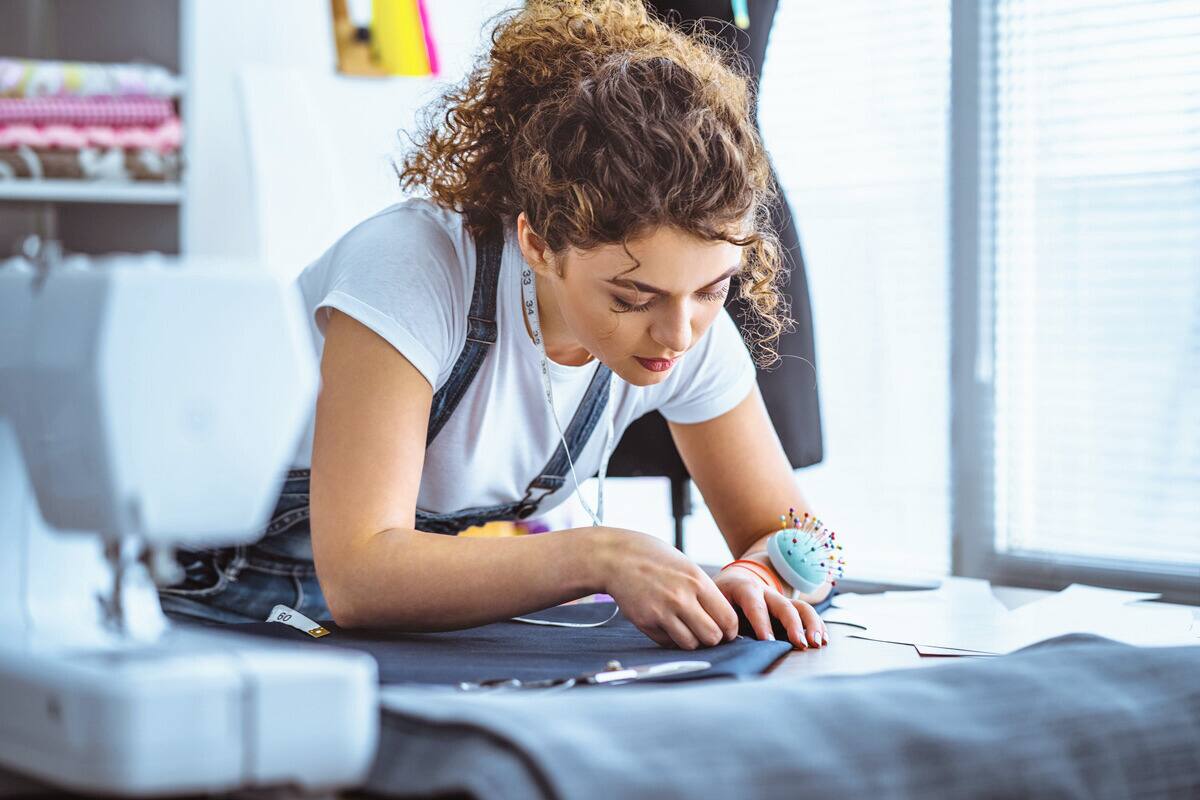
<point>414,238</point>
<point>411,224</point>
<point>405,273</point>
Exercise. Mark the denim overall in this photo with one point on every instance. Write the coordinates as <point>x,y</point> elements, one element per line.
<point>243,583</point>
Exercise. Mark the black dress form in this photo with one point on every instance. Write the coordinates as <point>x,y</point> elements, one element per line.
<point>789,388</point>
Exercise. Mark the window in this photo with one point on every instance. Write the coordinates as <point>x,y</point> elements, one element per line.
<point>1079,395</point>
<point>999,205</point>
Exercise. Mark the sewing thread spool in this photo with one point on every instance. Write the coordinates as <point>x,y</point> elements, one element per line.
<point>805,552</point>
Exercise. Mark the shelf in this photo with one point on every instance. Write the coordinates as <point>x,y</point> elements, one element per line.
<point>71,191</point>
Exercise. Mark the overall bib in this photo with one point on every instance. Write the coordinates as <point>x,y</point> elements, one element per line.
<point>242,583</point>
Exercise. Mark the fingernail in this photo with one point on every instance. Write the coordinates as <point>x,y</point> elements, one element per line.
<point>770,637</point>
<point>825,637</point>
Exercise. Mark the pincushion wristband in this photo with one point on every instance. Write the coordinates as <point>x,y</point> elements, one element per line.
<point>762,572</point>
<point>765,565</point>
<point>806,553</point>
<point>756,573</point>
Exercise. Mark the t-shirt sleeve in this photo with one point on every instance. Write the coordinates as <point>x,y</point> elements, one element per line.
<point>717,375</point>
<point>399,274</point>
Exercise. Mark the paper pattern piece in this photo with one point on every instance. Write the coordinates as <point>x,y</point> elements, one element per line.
<point>964,616</point>
<point>927,650</point>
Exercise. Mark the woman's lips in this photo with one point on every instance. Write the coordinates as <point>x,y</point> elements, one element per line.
<point>656,364</point>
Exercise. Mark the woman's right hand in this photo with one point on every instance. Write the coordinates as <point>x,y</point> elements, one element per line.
<point>663,592</point>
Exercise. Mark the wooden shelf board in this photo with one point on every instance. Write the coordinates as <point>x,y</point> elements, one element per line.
<point>72,191</point>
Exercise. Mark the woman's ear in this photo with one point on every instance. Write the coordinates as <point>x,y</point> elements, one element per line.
<point>537,253</point>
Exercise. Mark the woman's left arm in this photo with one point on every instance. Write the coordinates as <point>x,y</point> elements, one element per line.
<point>747,481</point>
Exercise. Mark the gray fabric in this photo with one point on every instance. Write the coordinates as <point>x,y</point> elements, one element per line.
<point>1074,717</point>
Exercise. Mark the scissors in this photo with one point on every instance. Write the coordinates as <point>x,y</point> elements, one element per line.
<point>613,672</point>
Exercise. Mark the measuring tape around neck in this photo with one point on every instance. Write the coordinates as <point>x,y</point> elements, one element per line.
<point>529,295</point>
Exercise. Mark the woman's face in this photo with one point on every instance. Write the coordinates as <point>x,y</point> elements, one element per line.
<point>637,308</point>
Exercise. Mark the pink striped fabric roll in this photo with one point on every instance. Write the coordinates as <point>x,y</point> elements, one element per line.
<point>116,111</point>
<point>165,137</point>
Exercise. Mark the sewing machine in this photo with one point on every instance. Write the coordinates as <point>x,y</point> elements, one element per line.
<point>145,403</point>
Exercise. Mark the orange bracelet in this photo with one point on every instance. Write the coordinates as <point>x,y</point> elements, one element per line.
<point>757,574</point>
<point>758,569</point>
<point>754,564</point>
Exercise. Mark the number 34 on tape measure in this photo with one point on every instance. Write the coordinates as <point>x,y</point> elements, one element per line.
<point>292,617</point>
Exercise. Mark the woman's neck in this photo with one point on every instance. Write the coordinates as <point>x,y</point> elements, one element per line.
<point>561,348</point>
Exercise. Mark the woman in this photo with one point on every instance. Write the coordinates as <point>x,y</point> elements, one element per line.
<point>593,186</point>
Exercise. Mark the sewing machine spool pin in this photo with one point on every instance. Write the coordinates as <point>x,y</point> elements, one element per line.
<point>111,606</point>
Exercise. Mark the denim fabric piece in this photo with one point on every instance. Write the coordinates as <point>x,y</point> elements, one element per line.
<point>529,652</point>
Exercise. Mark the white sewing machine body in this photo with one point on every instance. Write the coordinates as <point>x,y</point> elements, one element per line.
<point>151,403</point>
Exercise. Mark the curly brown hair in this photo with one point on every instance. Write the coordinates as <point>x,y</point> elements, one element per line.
<point>603,122</point>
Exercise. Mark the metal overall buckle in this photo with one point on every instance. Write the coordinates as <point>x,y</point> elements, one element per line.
<point>526,506</point>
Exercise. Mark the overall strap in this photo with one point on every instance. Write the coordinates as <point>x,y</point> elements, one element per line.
<point>590,410</point>
<point>587,415</point>
<point>481,332</point>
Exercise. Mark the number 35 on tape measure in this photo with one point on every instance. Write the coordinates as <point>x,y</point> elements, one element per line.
<point>292,617</point>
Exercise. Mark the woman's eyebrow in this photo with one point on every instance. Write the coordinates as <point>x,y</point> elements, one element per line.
<point>643,287</point>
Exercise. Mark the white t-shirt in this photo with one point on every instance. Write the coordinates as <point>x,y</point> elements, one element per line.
<point>408,272</point>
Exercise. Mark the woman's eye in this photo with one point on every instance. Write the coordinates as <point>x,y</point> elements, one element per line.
<point>622,306</point>
<point>713,296</point>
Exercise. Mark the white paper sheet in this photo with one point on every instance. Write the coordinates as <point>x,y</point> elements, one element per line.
<point>940,618</point>
<point>926,650</point>
<point>1104,612</point>
<point>964,615</point>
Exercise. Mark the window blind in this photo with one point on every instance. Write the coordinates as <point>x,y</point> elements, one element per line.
<point>1095,219</point>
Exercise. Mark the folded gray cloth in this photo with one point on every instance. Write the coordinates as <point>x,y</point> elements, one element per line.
<point>1076,716</point>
